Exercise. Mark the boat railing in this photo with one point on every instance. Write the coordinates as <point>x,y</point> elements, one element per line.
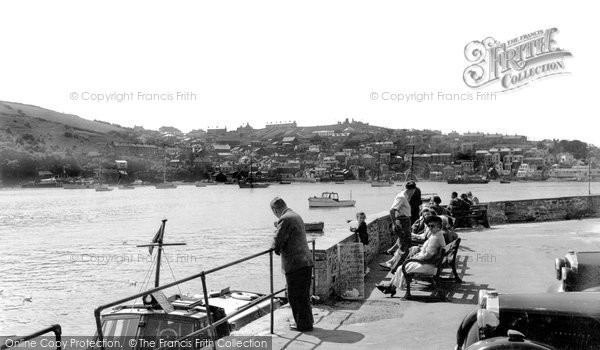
<point>56,329</point>
<point>202,275</point>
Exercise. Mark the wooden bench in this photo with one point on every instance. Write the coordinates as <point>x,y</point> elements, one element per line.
<point>465,217</point>
<point>447,260</point>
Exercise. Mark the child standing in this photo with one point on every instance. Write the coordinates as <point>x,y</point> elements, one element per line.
<point>361,233</point>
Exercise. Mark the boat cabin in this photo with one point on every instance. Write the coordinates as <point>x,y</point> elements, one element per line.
<point>161,318</point>
<point>330,195</point>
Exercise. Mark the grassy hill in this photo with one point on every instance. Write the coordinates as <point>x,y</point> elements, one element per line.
<point>13,109</point>
<point>38,130</point>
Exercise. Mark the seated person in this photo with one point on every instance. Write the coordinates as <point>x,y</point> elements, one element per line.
<point>474,200</point>
<point>429,253</point>
<point>456,204</point>
<point>419,225</point>
<point>434,204</point>
<point>447,230</point>
<point>465,198</point>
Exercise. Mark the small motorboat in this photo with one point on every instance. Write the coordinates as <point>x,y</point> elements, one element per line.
<point>200,184</point>
<point>314,226</point>
<point>103,188</point>
<point>329,199</point>
<point>165,185</point>
<point>504,181</point>
<point>285,182</point>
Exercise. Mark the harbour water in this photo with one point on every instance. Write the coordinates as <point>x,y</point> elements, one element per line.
<point>66,252</point>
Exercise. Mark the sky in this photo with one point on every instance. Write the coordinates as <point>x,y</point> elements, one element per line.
<point>197,65</point>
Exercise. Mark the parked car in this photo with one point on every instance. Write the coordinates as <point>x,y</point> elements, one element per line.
<point>532,321</point>
<point>577,271</point>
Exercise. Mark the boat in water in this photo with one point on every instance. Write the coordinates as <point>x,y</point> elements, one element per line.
<point>78,185</point>
<point>382,183</point>
<point>103,188</point>
<point>314,226</point>
<point>201,317</point>
<point>329,199</point>
<point>49,182</point>
<point>468,180</point>
<point>165,185</point>
<point>249,183</point>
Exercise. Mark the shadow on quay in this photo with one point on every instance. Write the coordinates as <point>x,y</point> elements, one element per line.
<point>318,336</point>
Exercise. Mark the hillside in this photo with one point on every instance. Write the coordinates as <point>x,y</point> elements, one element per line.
<point>38,130</point>
<point>13,109</point>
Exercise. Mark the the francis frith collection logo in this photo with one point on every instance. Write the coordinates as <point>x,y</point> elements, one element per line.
<point>516,62</point>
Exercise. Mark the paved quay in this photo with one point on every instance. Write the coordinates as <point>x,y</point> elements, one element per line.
<point>517,258</point>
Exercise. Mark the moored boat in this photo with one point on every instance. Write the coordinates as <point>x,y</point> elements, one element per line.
<point>181,315</point>
<point>381,184</point>
<point>165,185</point>
<point>50,182</point>
<point>468,180</point>
<point>78,185</point>
<point>314,226</point>
<point>103,188</point>
<point>252,184</point>
<point>329,199</point>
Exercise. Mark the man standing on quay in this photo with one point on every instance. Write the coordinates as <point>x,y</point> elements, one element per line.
<point>296,262</point>
<point>400,214</point>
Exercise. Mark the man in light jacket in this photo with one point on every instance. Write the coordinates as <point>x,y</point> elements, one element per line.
<point>296,262</point>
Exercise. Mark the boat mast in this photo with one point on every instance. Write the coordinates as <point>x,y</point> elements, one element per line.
<point>165,169</point>
<point>158,242</point>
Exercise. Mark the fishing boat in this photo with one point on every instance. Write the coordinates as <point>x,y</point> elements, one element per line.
<point>78,185</point>
<point>378,181</point>
<point>468,180</point>
<point>382,183</point>
<point>100,187</point>
<point>249,181</point>
<point>314,226</point>
<point>329,199</point>
<point>153,315</point>
<point>165,185</point>
<point>49,182</point>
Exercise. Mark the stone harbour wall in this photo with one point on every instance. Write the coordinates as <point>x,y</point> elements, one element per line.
<point>326,252</point>
<point>545,209</point>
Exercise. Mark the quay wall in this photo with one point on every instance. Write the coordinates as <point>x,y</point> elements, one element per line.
<point>545,209</point>
<point>327,269</point>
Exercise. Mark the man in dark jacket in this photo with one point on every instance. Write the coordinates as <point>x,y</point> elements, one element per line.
<point>414,201</point>
<point>296,262</point>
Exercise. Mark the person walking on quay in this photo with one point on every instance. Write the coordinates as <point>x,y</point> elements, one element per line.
<point>296,262</point>
<point>400,213</point>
